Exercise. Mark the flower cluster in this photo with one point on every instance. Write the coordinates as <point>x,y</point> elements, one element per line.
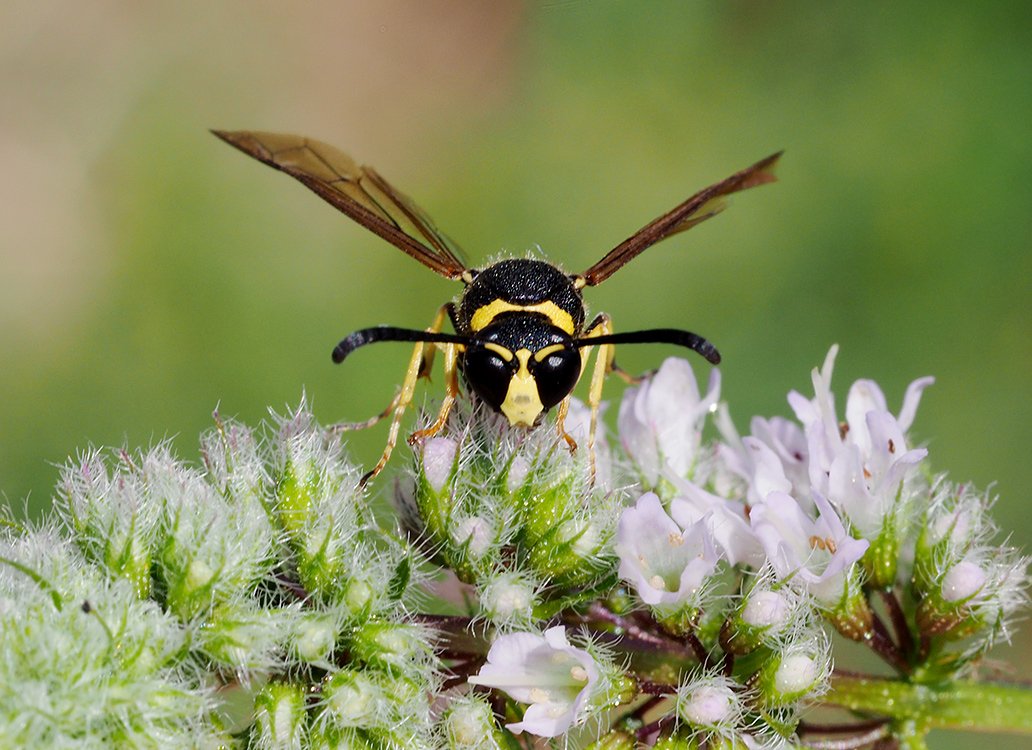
<point>514,516</point>
<point>206,607</point>
<point>737,554</point>
<point>666,591</point>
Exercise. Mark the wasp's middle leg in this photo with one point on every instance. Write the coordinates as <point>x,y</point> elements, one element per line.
<point>418,366</point>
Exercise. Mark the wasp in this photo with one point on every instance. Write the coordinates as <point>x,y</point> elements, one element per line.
<point>522,340</point>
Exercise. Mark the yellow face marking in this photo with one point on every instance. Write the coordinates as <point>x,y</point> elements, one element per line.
<point>555,314</point>
<point>500,350</point>
<point>522,405</point>
<point>540,354</point>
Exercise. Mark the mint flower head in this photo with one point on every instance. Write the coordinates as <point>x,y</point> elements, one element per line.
<point>663,590</point>
<point>863,465</point>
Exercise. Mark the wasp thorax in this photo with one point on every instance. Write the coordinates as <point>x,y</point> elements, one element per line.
<point>525,285</point>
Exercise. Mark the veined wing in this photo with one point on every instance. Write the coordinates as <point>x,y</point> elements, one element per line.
<point>360,192</point>
<point>695,210</point>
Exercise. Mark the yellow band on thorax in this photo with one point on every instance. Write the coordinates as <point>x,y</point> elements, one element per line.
<point>557,315</point>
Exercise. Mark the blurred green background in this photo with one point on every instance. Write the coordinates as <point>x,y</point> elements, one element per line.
<point>149,273</point>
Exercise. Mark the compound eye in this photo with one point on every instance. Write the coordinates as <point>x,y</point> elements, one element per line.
<point>556,374</point>
<point>487,374</point>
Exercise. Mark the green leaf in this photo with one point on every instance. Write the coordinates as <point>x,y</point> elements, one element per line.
<point>400,580</point>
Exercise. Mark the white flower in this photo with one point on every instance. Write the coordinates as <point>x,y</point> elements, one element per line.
<point>816,553</point>
<point>660,421</point>
<point>774,457</point>
<point>759,465</point>
<point>668,565</point>
<point>861,464</point>
<point>725,519</point>
<point>545,671</point>
<point>867,486</point>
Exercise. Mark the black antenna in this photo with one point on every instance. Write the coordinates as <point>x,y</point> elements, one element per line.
<point>390,333</point>
<point>657,336</point>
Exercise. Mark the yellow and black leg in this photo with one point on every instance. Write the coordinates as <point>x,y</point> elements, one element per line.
<point>451,392</point>
<point>419,366</point>
<point>600,326</point>
<point>560,423</point>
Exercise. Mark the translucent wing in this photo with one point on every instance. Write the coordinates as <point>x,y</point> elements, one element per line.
<point>698,208</point>
<point>360,192</point>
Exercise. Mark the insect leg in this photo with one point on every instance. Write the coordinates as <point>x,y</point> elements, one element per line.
<point>600,326</point>
<point>560,423</point>
<point>447,309</point>
<point>416,368</point>
<point>424,372</point>
<point>451,392</point>
<point>349,426</point>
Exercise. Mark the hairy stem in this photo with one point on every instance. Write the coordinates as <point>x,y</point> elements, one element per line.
<point>968,705</point>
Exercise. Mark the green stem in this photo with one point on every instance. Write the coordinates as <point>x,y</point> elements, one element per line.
<point>917,708</point>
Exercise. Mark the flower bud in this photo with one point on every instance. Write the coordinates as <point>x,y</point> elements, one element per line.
<point>440,461</point>
<point>881,560</point>
<point>242,637</point>
<point>279,717</point>
<point>763,615</point>
<point>569,553</point>
<point>358,597</point>
<point>509,597</point>
<point>315,638</point>
<point>473,535</point>
<point>963,581</point>
<point>469,725</point>
<point>114,525</point>
<point>852,616</point>
<point>709,704</point>
<point>951,607</point>
<point>389,645</point>
<point>437,468</point>
<point>799,671</point>
<point>352,699</point>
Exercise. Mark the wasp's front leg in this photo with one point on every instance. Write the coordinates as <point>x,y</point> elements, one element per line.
<point>600,326</point>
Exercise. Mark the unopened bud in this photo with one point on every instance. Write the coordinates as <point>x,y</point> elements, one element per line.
<point>707,706</point>
<point>352,699</point>
<point>469,725</point>
<point>439,462</point>
<point>509,596</point>
<point>279,716</point>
